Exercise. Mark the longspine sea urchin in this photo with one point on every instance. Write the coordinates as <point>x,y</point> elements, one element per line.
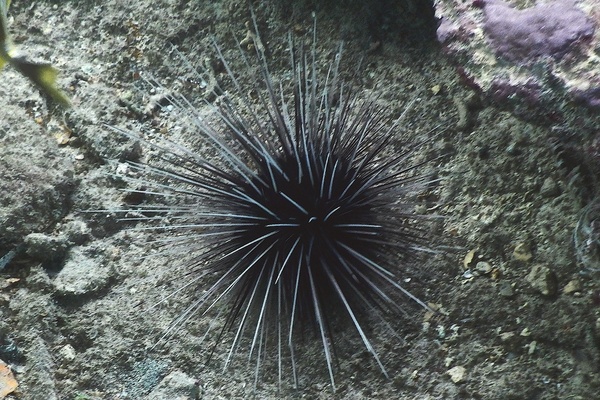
<point>297,216</point>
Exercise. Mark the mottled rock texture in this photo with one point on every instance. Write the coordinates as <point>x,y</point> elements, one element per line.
<point>537,58</point>
<point>551,30</point>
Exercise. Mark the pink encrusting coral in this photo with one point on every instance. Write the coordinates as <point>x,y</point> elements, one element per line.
<point>551,29</point>
<point>535,57</point>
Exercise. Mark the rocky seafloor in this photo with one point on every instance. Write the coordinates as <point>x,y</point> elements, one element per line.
<point>507,91</point>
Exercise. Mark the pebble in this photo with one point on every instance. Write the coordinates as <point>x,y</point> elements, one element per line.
<point>469,258</point>
<point>177,386</point>
<point>483,267</point>
<point>67,352</point>
<point>44,247</point>
<point>549,188</point>
<point>572,287</point>
<point>543,279</point>
<point>522,252</point>
<point>457,374</point>
<point>506,290</point>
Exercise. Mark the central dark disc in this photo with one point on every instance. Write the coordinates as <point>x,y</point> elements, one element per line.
<point>313,202</point>
<point>314,219</point>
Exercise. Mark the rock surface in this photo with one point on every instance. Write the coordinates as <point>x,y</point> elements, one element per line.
<point>535,57</point>
<point>86,326</point>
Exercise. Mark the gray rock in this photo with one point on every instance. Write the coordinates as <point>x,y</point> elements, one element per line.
<point>45,247</point>
<point>82,272</point>
<point>36,178</point>
<point>543,279</point>
<point>176,386</point>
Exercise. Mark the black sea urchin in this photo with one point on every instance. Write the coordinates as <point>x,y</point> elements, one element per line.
<point>297,208</point>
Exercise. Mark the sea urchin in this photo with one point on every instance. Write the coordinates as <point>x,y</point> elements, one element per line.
<point>298,209</point>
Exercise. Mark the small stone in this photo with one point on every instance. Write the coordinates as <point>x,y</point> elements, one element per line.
<point>572,287</point>
<point>543,279</point>
<point>507,336</point>
<point>483,267</point>
<point>469,258</point>
<point>414,375</point>
<point>43,247</point>
<point>549,188</point>
<point>67,352</point>
<point>441,331</point>
<point>506,290</point>
<point>82,272</point>
<point>457,374</point>
<point>421,209</point>
<point>176,386</point>
<point>522,252</point>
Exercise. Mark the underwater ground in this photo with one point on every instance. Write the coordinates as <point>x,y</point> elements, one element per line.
<point>518,313</point>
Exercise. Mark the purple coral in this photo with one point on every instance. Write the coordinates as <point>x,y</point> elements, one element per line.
<point>543,30</point>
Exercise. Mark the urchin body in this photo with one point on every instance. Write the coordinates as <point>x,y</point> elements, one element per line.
<point>297,217</point>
